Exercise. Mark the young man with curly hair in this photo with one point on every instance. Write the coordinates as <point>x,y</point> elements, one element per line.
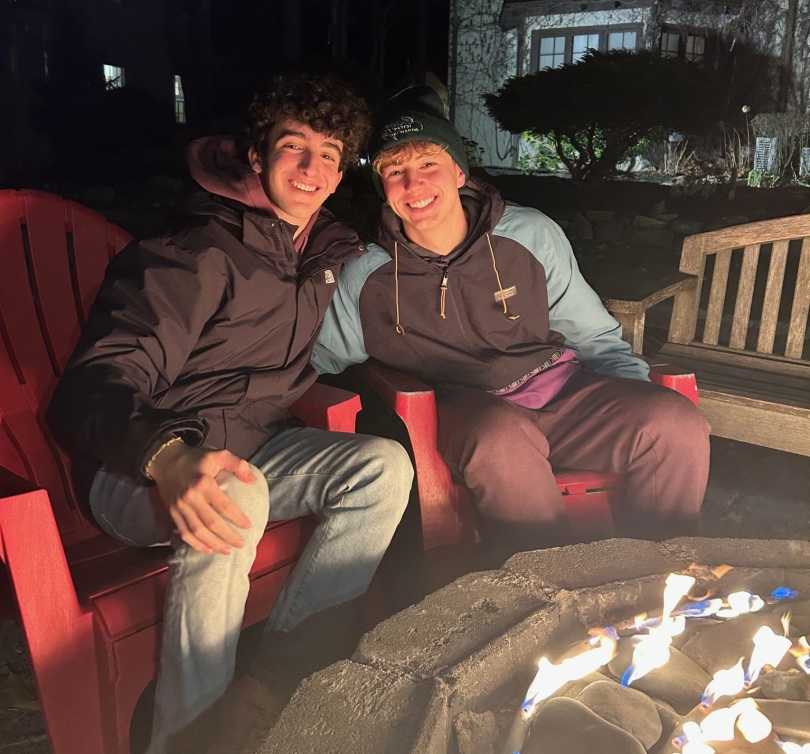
<point>176,399</point>
<point>483,300</point>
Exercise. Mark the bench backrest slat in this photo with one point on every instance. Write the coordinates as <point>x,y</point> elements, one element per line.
<point>773,297</point>
<point>717,297</point>
<point>759,272</point>
<point>801,305</point>
<point>745,296</point>
<point>52,259</point>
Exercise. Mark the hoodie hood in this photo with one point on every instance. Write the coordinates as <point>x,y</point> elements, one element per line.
<point>483,205</point>
<point>215,164</point>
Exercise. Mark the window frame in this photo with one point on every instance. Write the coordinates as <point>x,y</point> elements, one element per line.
<point>569,32</point>
<point>114,82</point>
<point>683,36</point>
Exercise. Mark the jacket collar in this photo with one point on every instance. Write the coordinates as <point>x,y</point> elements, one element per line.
<point>330,241</point>
<point>490,211</point>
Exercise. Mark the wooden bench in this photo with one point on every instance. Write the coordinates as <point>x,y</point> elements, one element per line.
<point>741,326</point>
<point>90,607</point>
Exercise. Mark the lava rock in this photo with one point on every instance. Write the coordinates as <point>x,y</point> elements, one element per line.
<point>721,646</point>
<point>792,685</point>
<point>629,709</point>
<point>565,725</point>
<point>680,682</point>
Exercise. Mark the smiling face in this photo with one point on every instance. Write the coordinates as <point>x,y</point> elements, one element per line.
<point>299,170</point>
<point>422,190</point>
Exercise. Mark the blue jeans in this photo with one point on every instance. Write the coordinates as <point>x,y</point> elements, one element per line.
<point>359,487</point>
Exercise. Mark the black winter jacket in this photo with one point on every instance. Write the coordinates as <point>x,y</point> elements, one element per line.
<point>204,331</point>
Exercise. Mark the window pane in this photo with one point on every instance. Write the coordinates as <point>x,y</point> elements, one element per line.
<point>695,47</point>
<point>581,44</point>
<point>669,44</point>
<point>552,53</point>
<point>113,76</point>
<point>622,40</point>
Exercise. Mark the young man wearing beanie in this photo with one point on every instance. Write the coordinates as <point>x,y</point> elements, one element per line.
<point>198,343</point>
<point>483,300</point>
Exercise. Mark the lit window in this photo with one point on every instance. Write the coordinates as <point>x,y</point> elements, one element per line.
<point>695,48</point>
<point>622,40</point>
<point>179,101</point>
<point>552,52</point>
<point>113,76</point>
<point>582,43</point>
<point>670,42</point>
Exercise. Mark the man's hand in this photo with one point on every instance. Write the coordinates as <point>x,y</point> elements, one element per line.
<point>185,479</point>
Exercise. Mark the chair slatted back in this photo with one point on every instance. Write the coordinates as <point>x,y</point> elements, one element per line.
<point>53,254</point>
<point>766,261</point>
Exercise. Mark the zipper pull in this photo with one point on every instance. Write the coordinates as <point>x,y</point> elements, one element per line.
<point>444,295</point>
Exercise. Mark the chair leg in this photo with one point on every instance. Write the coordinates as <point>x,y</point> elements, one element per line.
<point>59,634</point>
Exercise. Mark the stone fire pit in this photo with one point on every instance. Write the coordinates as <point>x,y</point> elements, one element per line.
<point>447,676</point>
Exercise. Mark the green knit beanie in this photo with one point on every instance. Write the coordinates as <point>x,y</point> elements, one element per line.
<point>415,114</point>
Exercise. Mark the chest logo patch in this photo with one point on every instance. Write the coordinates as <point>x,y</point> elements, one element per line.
<point>505,293</point>
<point>329,276</point>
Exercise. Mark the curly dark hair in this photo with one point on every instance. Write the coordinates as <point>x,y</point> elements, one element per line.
<point>324,103</point>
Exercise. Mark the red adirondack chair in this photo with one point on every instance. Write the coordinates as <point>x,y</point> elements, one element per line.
<point>90,607</point>
<point>447,514</point>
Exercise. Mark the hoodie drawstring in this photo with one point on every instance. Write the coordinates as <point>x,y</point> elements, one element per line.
<point>500,285</point>
<point>396,287</point>
<point>443,296</point>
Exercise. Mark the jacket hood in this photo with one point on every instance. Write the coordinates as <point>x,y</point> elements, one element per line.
<point>484,206</point>
<point>215,164</point>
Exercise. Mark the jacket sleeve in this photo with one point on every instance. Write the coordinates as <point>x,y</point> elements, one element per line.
<point>575,310</point>
<point>340,342</point>
<point>147,318</point>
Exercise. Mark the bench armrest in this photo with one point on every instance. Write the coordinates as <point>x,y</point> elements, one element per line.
<point>444,520</point>
<point>630,308</point>
<point>327,407</point>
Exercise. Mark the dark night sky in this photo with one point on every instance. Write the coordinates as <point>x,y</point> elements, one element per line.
<point>247,35</point>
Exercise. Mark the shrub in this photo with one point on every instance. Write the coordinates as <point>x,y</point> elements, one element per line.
<point>606,105</point>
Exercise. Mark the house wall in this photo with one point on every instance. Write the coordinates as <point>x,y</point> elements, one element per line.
<point>487,56</point>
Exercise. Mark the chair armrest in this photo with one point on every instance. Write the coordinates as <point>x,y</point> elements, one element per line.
<point>444,521</point>
<point>674,377</point>
<point>327,407</point>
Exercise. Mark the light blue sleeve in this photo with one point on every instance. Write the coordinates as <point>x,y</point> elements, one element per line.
<point>575,310</point>
<point>340,342</point>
